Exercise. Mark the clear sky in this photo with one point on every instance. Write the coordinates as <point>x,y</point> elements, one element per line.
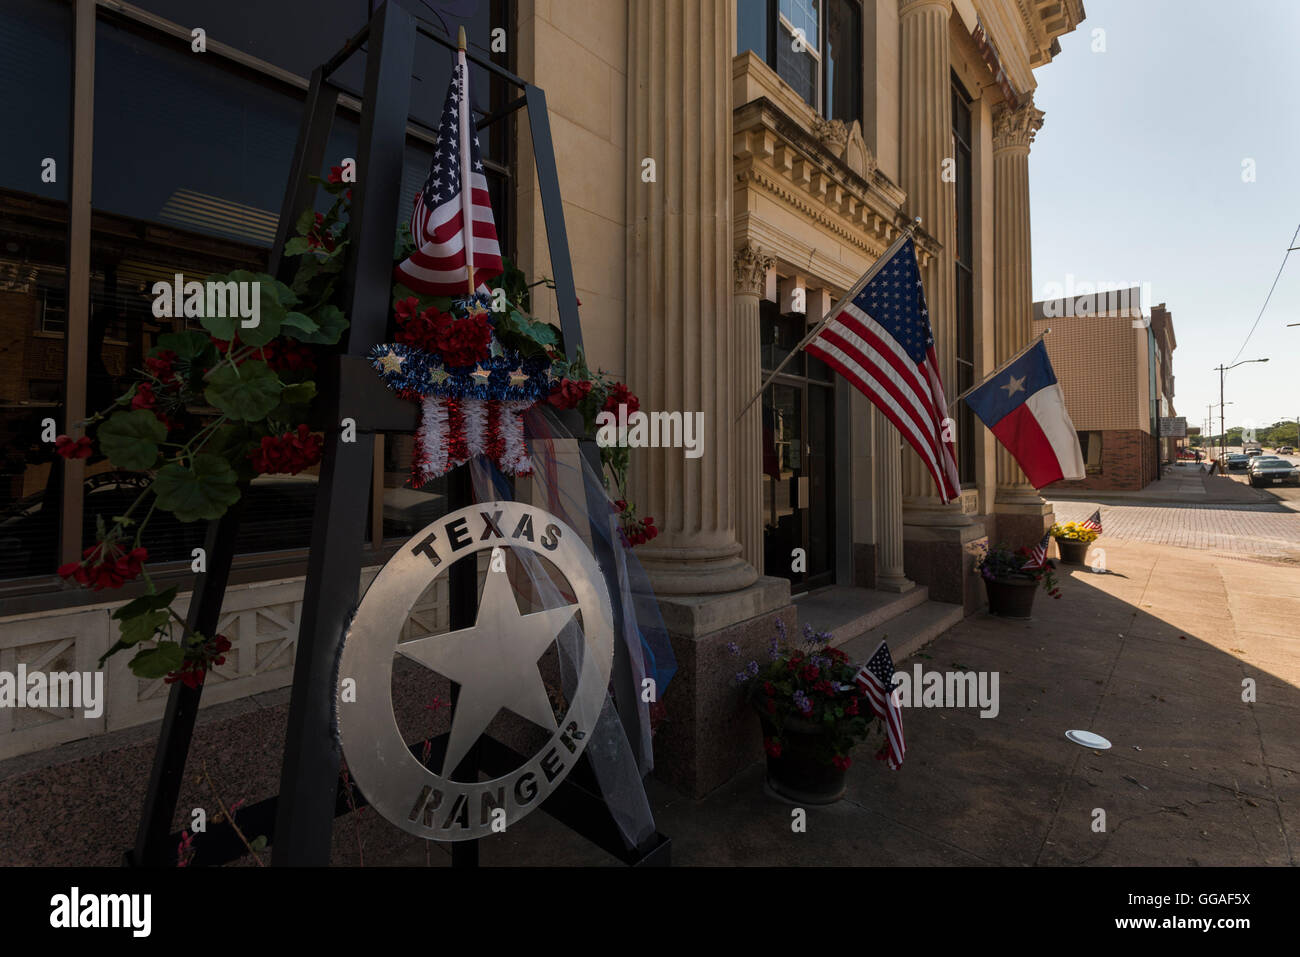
<point>1137,176</point>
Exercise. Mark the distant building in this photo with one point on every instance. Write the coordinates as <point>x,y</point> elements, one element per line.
<point>1115,367</point>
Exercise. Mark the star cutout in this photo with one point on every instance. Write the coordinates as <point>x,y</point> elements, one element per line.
<point>495,664</point>
<point>1014,385</point>
<point>391,362</point>
<point>438,376</point>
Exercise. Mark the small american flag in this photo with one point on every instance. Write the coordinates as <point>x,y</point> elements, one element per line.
<point>454,194</point>
<point>881,341</point>
<point>1092,522</point>
<point>1037,555</point>
<point>876,679</point>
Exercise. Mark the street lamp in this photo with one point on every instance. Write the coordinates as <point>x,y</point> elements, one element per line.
<point>1221,370</point>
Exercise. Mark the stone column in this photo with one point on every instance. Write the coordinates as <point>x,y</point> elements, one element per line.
<point>680,346</point>
<point>1013,131</point>
<point>751,268</point>
<point>887,500</point>
<point>679,256</point>
<point>926,141</point>
<point>1021,510</point>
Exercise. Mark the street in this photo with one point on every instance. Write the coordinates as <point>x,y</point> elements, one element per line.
<point>1200,511</point>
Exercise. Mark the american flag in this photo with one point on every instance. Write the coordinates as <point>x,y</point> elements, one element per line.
<point>1092,522</point>
<point>876,679</point>
<point>452,196</point>
<point>881,341</point>
<point>1037,555</point>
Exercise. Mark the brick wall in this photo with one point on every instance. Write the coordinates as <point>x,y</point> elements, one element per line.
<point>1128,462</point>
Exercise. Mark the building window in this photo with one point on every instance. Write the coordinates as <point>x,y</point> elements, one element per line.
<point>1090,444</point>
<point>814,45</point>
<point>964,261</point>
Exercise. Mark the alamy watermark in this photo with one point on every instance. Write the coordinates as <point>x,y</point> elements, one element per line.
<point>654,430</point>
<point>77,690</point>
<point>1077,297</point>
<point>197,300</point>
<point>952,689</point>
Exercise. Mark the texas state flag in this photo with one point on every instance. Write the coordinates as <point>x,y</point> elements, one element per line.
<point>1024,407</point>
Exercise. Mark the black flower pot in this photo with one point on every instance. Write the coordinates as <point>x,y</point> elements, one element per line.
<point>1011,597</point>
<point>1072,552</point>
<point>803,773</point>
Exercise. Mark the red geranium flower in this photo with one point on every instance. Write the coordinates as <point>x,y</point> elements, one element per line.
<point>289,453</point>
<point>71,448</point>
<point>621,395</point>
<point>567,393</point>
<point>336,174</point>
<point>161,366</point>
<point>105,565</point>
<point>842,762</point>
<point>772,746</point>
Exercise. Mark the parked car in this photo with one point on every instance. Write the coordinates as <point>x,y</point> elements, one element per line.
<point>1284,450</point>
<point>1259,460</point>
<point>1236,462</point>
<point>1189,455</point>
<point>1253,451</point>
<point>1274,471</point>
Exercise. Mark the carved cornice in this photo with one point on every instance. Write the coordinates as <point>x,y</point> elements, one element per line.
<point>1015,126</point>
<point>751,267</point>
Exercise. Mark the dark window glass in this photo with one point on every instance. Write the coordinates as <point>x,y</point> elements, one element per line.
<point>36,77</point>
<point>752,27</point>
<point>843,61</point>
<point>35,114</point>
<point>33,316</point>
<point>965,285</point>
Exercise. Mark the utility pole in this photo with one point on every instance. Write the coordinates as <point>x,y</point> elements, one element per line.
<point>1221,369</point>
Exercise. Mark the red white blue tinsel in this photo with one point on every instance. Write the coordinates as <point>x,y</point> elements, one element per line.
<point>412,372</point>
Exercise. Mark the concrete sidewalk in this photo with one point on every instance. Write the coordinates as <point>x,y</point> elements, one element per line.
<point>1152,656</point>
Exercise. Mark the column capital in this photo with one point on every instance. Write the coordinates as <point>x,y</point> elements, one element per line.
<point>906,7</point>
<point>1015,126</point>
<point>751,268</point>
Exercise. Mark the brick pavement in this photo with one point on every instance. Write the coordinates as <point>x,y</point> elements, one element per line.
<point>1264,530</point>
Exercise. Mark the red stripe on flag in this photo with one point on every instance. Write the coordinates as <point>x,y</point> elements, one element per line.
<point>1020,432</point>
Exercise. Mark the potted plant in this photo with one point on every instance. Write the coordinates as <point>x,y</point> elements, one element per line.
<point>812,714</point>
<point>1072,541</point>
<point>1011,578</point>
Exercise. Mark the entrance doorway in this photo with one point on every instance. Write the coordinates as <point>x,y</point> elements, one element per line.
<point>798,458</point>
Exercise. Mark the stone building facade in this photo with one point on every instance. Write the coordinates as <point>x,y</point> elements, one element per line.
<point>728,169</point>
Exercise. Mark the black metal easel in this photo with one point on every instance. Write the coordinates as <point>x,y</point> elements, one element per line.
<point>298,822</point>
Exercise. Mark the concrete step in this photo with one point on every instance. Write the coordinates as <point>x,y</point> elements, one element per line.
<point>908,633</point>
<point>848,612</point>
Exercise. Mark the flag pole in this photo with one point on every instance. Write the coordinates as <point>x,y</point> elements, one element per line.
<point>466,196</point>
<point>869,275</point>
<point>1033,343</point>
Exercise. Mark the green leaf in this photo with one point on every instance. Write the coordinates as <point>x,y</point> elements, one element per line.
<point>332,324</point>
<point>297,324</point>
<point>258,843</point>
<point>143,627</point>
<point>204,490</point>
<point>296,246</point>
<point>158,662</point>
<point>298,394</point>
<point>146,603</point>
<point>188,345</point>
<point>305,222</point>
<point>245,394</point>
<point>130,439</point>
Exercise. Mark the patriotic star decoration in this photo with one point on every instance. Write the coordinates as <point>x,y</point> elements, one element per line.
<point>1014,385</point>
<point>390,362</point>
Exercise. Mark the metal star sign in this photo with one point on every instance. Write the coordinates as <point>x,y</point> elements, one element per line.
<point>494,662</point>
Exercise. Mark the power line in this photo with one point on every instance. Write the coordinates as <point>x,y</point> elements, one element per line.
<point>1291,246</point>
